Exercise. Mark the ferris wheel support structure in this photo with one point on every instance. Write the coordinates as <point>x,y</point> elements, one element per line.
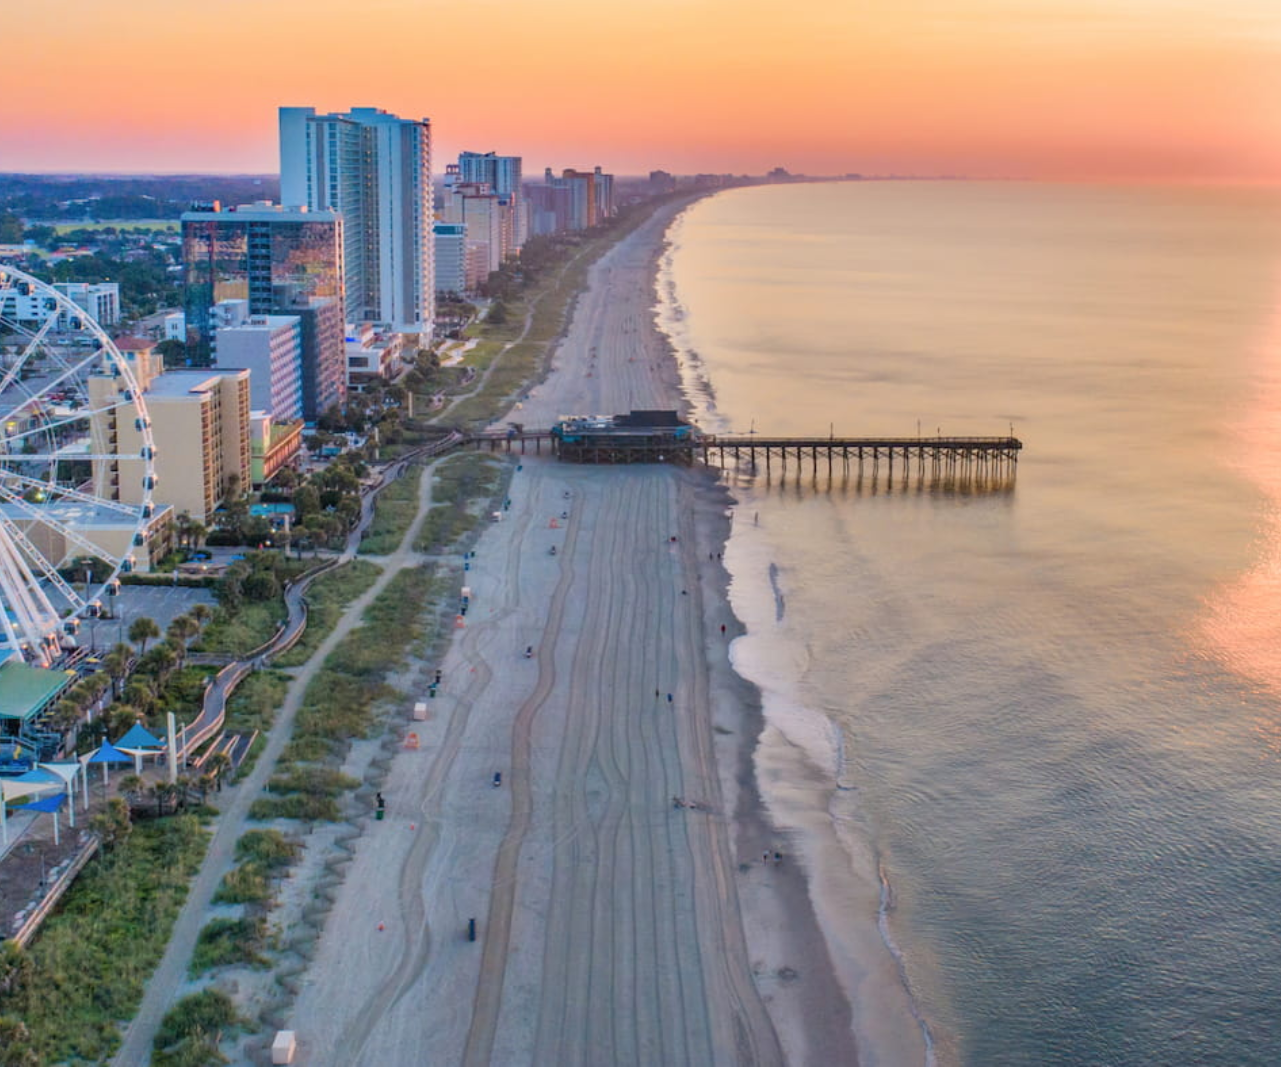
<point>68,495</point>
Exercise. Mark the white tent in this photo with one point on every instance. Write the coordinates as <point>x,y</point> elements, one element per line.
<point>37,782</point>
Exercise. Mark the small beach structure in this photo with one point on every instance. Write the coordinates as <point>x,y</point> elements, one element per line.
<point>139,742</point>
<point>637,437</point>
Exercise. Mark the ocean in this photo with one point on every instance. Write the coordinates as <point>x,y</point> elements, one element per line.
<point>1025,735</point>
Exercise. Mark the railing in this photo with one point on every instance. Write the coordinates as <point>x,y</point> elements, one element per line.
<point>61,884</point>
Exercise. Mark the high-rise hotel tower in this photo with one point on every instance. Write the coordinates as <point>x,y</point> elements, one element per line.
<point>375,170</point>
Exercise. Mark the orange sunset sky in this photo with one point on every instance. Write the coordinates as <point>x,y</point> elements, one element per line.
<point>1166,89</point>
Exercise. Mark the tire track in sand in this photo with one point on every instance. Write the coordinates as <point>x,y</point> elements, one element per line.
<point>497,933</point>
<point>418,944</point>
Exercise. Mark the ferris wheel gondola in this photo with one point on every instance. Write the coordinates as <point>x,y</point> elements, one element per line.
<point>77,468</point>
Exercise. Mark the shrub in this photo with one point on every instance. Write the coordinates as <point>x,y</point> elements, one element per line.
<point>228,942</point>
<point>188,1035</point>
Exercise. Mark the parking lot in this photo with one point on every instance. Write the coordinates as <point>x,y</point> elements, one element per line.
<point>161,603</point>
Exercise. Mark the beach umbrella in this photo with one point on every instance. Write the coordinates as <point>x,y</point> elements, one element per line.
<point>21,786</point>
<point>50,805</point>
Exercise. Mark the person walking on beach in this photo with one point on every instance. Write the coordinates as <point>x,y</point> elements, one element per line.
<point>669,698</point>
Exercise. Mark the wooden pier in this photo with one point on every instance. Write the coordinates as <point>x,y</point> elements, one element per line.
<point>937,458</point>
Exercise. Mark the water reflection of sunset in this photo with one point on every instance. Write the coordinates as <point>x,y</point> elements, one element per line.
<point>1242,625</point>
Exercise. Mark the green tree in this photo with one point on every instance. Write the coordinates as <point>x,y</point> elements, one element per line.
<point>116,664</point>
<point>15,968</point>
<point>10,228</point>
<point>113,825</point>
<point>16,1049</point>
<point>173,352</point>
<point>142,630</point>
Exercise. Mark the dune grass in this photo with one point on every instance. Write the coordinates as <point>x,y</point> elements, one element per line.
<point>394,510</point>
<point>91,960</point>
<point>327,597</point>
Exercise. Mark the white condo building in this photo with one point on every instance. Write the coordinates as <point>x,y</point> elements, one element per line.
<point>270,348</point>
<point>101,300</point>
<point>375,169</point>
<point>451,257</point>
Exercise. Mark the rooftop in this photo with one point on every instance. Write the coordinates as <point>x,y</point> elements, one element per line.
<point>25,690</point>
<point>189,384</point>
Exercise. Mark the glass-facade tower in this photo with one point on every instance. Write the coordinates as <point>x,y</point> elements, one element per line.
<point>282,262</point>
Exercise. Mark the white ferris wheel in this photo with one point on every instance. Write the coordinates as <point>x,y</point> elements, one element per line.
<point>76,468</point>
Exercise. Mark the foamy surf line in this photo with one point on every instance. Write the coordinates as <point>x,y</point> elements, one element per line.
<point>809,743</point>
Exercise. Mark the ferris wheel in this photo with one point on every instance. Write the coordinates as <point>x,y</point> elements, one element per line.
<point>76,468</point>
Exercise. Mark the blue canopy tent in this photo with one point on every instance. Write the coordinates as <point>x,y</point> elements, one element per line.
<point>106,754</point>
<point>139,742</point>
<point>47,804</point>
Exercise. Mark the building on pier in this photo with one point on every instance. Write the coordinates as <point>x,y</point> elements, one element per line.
<point>637,437</point>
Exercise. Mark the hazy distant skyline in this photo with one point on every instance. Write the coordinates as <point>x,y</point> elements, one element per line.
<point>1163,89</point>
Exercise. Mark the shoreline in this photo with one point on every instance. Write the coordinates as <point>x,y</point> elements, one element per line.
<point>843,895</point>
<point>779,916</point>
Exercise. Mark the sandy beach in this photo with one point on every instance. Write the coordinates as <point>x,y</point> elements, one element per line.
<point>613,927</point>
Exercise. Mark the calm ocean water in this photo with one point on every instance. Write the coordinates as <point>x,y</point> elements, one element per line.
<point>1028,738</point>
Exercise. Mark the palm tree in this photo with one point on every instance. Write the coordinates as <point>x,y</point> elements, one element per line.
<point>182,628</point>
<point>133,787</point>
<point>202,613</point>
<point>163,659</point>
<point>182,790</point>
<point>161,793</point>
<point>182,528</point>
<point>142,630</point>
<point>219,762</point>
<point>116,664</point>
<point>120,717</point>
<point>141,694</point>
<point>66,715</point>
<point>206,782</point>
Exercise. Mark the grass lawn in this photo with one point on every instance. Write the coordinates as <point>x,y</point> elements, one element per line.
<point>119,224</point>
<point>249,627</point>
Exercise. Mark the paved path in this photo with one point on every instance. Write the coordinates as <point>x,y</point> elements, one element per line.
<point>172,972</point>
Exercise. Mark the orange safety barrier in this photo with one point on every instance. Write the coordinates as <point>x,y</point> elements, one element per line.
<point>458,622</point>
<point>411,740</point>
<point>554,524</point>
